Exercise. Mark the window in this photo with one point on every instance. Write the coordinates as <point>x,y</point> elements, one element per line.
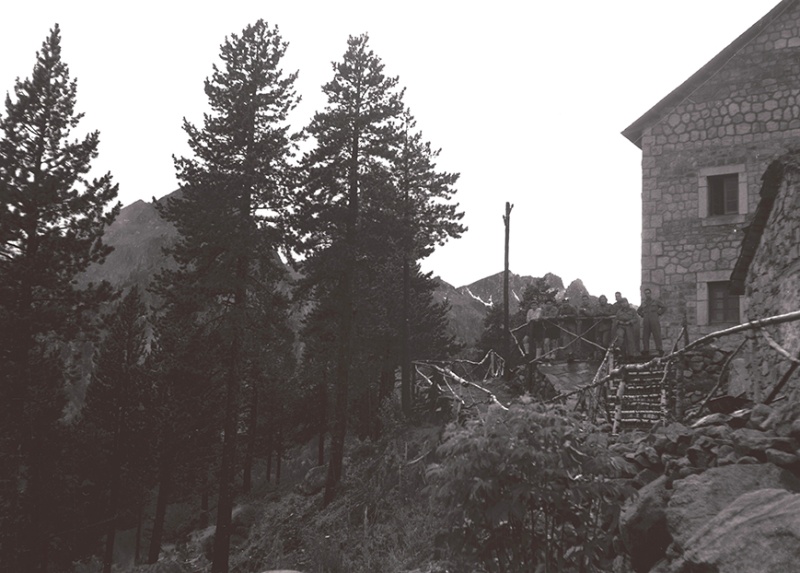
<point>723,307</point>
<point>723,194</point>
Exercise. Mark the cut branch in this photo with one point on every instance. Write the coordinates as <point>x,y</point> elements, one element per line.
<point>464,382</point>
<point>778,348</point>
<point>720,378</point>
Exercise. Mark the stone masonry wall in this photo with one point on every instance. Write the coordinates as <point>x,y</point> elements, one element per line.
<point>773,283</point>
<point>745,116</point>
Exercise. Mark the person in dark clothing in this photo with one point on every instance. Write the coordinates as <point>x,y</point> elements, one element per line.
<point>625,338</point>
<point>567,315</point>
<point>604,314</point>
<point>586,328</point>
<point>535,331</point>
<point>651,311</point>
<point>551,331</point>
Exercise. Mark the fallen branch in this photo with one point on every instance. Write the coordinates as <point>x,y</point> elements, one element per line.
<point>464,382</point>
<point>782,382</point>
<point>412,462</point>
<point>760,323</point>
<point>720,377</point>
<point>778,348</point>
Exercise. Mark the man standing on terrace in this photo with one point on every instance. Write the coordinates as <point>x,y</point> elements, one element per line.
<point>651,311</point>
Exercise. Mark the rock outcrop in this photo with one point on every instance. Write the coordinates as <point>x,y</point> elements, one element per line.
<point>722,495</point>
<point>758,532</point>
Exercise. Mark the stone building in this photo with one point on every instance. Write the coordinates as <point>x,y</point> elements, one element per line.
<point>767,271</point>
<point>705,147</point>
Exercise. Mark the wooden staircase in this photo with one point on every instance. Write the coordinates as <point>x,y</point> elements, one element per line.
<point>638,399</point>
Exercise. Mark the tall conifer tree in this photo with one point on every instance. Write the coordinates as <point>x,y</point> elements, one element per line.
<point>347,172</point>
<point>233,189</point>
<point>52,217</point>
<point>428,219</point>
<point>372,204</point>
<point>114,416</point>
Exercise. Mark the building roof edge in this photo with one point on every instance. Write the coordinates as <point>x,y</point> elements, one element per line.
<point>635,130</point>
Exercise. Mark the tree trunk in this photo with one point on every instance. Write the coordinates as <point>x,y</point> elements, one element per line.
<point>279,457</point>
<point>204,502</point>
<point>270,448</point>
<point>346,329</point>
<point>222,535</point>
<point>251,440</point>
<point>506,325</point>
<point>165,476</point>
<point>323,422</point>
<point>139,523</point>
<point>406,341</point>
<point>37,556</point>
<point>113,502</point>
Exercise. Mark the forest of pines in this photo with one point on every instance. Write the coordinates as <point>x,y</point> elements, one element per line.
<point>184,393</point>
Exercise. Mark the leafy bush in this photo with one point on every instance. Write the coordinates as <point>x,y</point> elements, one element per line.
<point>529,489</point>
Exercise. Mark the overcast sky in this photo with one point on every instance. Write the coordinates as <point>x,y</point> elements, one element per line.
<point>526,100</point>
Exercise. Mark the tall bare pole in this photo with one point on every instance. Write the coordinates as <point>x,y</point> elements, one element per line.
<point>506,325</point>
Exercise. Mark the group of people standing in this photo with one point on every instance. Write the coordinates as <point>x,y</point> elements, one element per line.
<point>554,326</point>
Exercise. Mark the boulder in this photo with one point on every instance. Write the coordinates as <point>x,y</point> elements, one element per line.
<point>314,481</point>
<point>698,498</point>
<point>779,458</point>
<point>755,442</point>
<point>739,381</point>
<point>673,439</point>
<point>643,525</point>
<point>758,532</point>
<point>760,417</point>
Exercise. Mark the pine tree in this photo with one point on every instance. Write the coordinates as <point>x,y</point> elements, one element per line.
<point>429,218</point>
<point>186,410</point>
<point>373,204</point>
<point>233,191</point>
<point>114,413</point>
<point>52,217</point>
<point>348,175</point>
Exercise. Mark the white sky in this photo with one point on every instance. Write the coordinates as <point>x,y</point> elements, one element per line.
<point>526,100</point>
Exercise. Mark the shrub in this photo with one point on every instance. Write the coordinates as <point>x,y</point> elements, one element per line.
<point>530,489</point>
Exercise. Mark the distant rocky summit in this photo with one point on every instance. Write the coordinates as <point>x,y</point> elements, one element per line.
<point>139,235</point>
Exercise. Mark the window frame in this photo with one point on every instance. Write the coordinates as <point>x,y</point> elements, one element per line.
<point>703,306</point>
<point>703,199</point>
<point>730,310</point>
<point>723,197</point>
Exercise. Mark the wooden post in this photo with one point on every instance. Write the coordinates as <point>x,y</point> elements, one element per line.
<point>618,412</point>
<point>506,321</point>
<point>755,374</point>
<point>680,396</point>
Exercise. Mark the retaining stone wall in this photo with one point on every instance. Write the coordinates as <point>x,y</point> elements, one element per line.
<point>773,284</point>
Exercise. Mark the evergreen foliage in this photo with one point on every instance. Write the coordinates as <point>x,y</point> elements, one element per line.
<point>170,396</point>
<point>371,205</point>
<point>233,192</point>
<point>117,419</point>
<point>52,216</point>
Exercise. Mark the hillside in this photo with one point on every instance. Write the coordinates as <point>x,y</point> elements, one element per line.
<point>138,236</point>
